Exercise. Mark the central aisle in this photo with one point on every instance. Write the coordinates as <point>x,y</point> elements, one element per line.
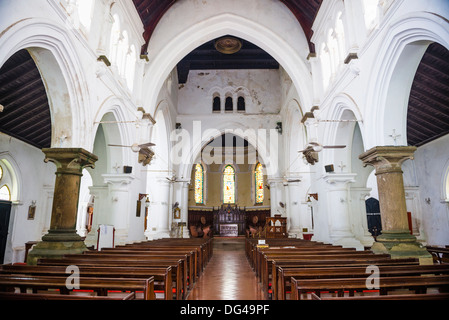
<point>228,275</point>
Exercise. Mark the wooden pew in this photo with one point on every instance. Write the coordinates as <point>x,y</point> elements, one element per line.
<point>99,285</point>
<point>285,274</point>
<point>330,259</point>
<point>419,284</point>
<point>179,270</point>
<point>53,296</point>
<point>439,254</point>
<point>162,275</point>
<point>147,257</point>
<point>190,259</point>
<point>204,246</point>
<point>286,264</point>
<point>193,260</point>
<point>415,296</point>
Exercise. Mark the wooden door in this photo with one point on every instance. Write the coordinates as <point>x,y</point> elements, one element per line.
<point>5,212</point>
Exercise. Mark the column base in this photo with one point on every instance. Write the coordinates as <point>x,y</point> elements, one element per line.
<point>400,245</point>
<point>54,250</point>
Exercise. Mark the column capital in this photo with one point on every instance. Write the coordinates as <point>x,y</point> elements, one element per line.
<point>292,180</point>
<point>339,178</point>
<point>117,178</point>
<point>387,158</point>
<point>70,160</point>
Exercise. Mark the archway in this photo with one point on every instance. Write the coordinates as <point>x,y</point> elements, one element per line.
<point>54,54</point>
<point>346,178</point>
<point>192,36</point>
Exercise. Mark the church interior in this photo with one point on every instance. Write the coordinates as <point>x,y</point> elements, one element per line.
<point>224,150</point>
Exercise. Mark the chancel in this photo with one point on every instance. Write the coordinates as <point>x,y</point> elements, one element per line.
<point>227,150</point>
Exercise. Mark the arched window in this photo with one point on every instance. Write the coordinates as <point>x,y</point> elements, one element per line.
<point>216,106</point>
<point>199,184</point>
<point>5,193</point>
<point>115,37</point>
<point>340,35</point>
<point>241,104</point>
<point>122,53</point>
<point>130,67</point>
<point>325,65</point>
<point>258,183</point>
<point>228,104</point>
<point>85,12</point>
<point>370,8</point>
<point>229,184</point>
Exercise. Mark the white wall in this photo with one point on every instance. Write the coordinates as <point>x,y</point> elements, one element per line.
<point>431,162</point>
<point>35,181</point>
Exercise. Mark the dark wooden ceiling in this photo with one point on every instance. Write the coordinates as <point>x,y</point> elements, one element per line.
<point>26,114</point>
<point>206,57</point>
<point>428,109</point>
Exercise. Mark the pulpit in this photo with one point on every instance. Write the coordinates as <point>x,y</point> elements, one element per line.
<point>276,227</point>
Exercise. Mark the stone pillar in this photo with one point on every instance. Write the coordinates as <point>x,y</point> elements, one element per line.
<point>62,237</point>
<point>338,209</point>
<point>395,239</point>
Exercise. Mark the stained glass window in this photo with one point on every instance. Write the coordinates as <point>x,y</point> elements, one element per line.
<point>199,184</point>
<point>258,179</point>
<point>229,185</point>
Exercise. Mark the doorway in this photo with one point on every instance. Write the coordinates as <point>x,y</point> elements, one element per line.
<point>5,212</point>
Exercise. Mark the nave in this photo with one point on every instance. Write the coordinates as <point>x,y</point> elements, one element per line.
<point>228,275</point>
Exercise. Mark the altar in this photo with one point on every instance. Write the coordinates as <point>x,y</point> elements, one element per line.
<point>229,230</point>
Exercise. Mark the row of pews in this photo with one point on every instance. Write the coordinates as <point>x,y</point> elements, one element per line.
<point>296,269</point>
<point>163,269</point>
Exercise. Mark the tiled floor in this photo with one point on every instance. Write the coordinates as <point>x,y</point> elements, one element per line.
<point>228,275</point>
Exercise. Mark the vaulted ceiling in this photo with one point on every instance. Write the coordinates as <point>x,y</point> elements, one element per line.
<point>151,11</point>
<point>428,109</point>
<point>26,114</point>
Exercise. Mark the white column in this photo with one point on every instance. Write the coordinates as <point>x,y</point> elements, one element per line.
<point>276,187</point>
<point>185,209</point>
<point>338,209</point>
<point>158,211</point>
<point>101,207</point>
<point>121,205</point>
<point>293,194</point>
<point>358,218</point>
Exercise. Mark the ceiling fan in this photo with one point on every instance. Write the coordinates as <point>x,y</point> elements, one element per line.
<point>172,179</point>
<point>135,146</point>
<point>311,151</point>
<point>317,147</point>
